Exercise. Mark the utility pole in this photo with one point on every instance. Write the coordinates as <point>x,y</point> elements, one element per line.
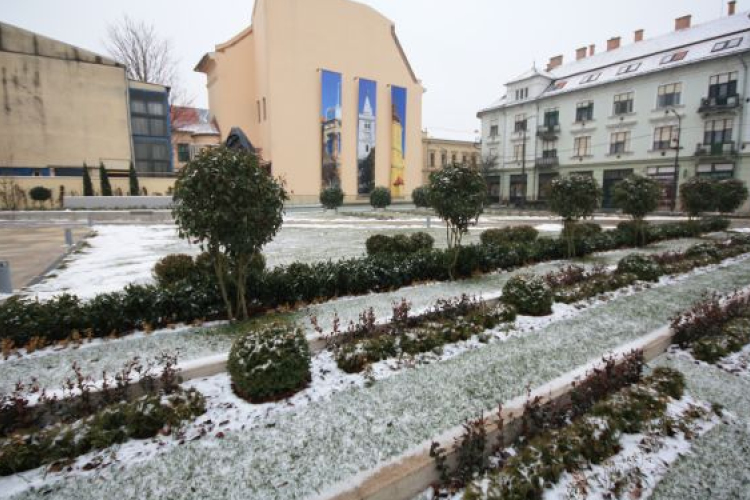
<point>676,173</point>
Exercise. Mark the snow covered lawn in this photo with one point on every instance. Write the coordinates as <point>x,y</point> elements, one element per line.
<point>297,452</point>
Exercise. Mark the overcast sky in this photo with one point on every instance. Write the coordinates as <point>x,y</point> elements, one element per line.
<point>462,50</point>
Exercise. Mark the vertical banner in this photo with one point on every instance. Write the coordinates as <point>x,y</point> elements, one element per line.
<point>398,140</point>
<point>330,121</point>
<point>367,109</point>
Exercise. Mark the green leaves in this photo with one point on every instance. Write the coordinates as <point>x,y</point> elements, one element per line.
<point>575,196</point>
<point>637,196</point>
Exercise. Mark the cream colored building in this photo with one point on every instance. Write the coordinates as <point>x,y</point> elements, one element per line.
<point>440,152</point>
<point>267,81</point>
<point>192,131</point>
<point>63,106</point>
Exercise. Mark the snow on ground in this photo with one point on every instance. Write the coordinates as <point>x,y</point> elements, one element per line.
<point>717,466</point>
<point>195,343</point>
<point>301,451</point>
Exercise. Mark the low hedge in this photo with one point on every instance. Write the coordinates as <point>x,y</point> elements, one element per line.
<point>399,243</point>
<point>642,267</point>
<point>506,235</point>
<point>198,297</point>
<point>529,294</point>
<point>270,364</point>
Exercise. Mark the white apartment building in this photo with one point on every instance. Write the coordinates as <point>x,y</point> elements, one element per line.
<point>642,108</point>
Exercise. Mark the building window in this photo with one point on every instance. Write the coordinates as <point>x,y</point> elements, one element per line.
<point>722,86</point>
<point>474,160</point>
<point>669,95</point>
<point>718,132</point>
<point>582,146</point>
<point>552,118</point>
<point>664,137</point>
<point>591,78</point>
<point>522,94</point>
<point>518,152</point>
<point>520,123</point>
<point>148,114</point>
<point>183,152</point>
<point>493,153</point>
<point>260,117</point>
<point>727,44</point>
<point>560,85</point>
<point>432,158</point>
<point>494,131</point>
<point>151,157</point>
<point>265,114</point>
<point>444,159</point>
<point>549,149</point>
<point>628,68</point>
<point>716,171</point>
<point>453,158</point>
<point>619,143</point>
<point>585,111</point>
<point>623,103</point>
<point>677,56</point>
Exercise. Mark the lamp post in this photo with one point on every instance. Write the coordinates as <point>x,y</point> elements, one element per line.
<point>676,173</point>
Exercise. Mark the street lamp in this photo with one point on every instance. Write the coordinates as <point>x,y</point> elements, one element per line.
<point>676,173</point>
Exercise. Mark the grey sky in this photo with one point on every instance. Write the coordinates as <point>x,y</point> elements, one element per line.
<point>462,50</point>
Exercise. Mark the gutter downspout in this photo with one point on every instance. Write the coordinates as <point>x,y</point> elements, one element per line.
<point>742,110</point>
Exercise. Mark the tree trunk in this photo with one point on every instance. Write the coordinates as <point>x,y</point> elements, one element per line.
<point>220,269</point>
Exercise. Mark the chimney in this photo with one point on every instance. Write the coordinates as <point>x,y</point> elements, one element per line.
<point>639,36</point>
<point>732,7</point>
<point>613,43</point>
<point>682,23</point>
<point>554,62</point>
<point>592,50</point>
<point>580,53</point>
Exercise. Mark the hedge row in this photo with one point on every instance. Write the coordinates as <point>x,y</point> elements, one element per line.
<point>198,297</point>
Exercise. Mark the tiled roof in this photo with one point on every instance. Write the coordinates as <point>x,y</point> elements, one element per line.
<point>195,121</point>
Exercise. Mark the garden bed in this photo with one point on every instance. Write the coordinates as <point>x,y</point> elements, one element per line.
<point>302,450</point>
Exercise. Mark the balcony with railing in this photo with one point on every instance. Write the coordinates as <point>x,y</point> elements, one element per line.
<point>719,104</point>
<point>548,161</point>
<point>548,132</point>
<point>716,152</point>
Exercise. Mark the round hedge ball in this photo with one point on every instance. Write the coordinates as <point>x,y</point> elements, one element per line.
<point>529,294</point>
<point>642,267</point>
<point>270,364</point>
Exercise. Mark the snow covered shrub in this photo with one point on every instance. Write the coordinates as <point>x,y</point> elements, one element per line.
<point>509,235</point>
<point>642,267</point>
<point>730,195</point>
<point>705,251</point>
<point>529,294</point>
<point>332,197</point>
<point>708,319</point>
<point>697,195</point>
<point>174,268</point>
<point>270,364</point>
<point>380,197</point>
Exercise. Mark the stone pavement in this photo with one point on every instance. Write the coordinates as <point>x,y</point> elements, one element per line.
<point>32,248</point>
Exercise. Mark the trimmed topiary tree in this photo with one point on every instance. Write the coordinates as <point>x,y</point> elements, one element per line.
<point>457,194</point>
<point>529,294</point>
<point>174,268</point>
<point>332,197</point>
<point>697,196</point>
<point>642,267</point>
<point>421,197</point>
<point>134,188</point>
<point>574,197</point>
<point>269,364</point>
<point>380,197</point>
<point>637,196</point>
<point>40,194</point>
<point>730,194</point>
<point>88,186</point>
<point>105,186</point>
<point>231,206</point>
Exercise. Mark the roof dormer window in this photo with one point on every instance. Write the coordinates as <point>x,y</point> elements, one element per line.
<point>727,44</point>
<point>677,56</point>
<point>561,85</point>
<point>522,94</point>
<point>591,78</point>
<point>628,68</point>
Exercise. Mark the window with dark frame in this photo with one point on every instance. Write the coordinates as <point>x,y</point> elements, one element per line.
<point>494,130</point>
<point>718,132</point>
<point>591,78</point>
<point>183,152</point>
<point>669,95</point>
<point>677,56</point>
<point>628,68</point>
<point>552,118</point>
<point>432,158</point>
<point>582,146</point>
<point>520,123</point>
<point>723,86</point>
<point>727,44</point>
<point>623,103</point>
<point>665,137</point>
<point>549,149</point>
<point>260,116</point>
<point>265,113</point>
<point>517,152</point>
<point>584,111</point>
<point>619,143</point>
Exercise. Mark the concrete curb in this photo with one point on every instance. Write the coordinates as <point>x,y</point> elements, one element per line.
<point>56,263</point>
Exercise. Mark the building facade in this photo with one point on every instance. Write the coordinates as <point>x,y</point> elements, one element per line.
<point>324,90</point>
<point>63,107</point>
<point>670,108</point>
<point>192,131</point>
<point>438,153</point>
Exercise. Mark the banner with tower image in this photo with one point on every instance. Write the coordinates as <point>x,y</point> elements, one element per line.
<point>330,121</point>
<point>367,111</point>
<point>398,140</point>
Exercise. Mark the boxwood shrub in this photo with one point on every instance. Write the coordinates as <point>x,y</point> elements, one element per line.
<point>270,364</point>
<point>505,235</point>
<point>399,243</point>
<point>643,268</point>
<point>529,294</point>
<point>173,268</point>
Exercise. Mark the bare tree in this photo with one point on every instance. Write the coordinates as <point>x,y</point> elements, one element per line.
<point>147,56</point>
